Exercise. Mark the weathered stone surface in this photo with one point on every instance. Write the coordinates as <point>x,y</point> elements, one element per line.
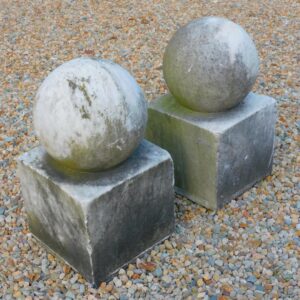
<point>90,114</point>
<point>210,65</point>
<point>99,221</point>
<point>216,156</point>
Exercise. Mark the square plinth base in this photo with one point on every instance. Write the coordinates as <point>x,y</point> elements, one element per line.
<point>216,156</point>
<point>98,222</point>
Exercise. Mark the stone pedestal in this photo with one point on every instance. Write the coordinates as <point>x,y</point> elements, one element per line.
<point>217,156</point>
<point>99,221</point>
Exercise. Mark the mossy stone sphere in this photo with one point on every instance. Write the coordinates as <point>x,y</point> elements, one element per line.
<point>210,65</point>
<point>90,114</point>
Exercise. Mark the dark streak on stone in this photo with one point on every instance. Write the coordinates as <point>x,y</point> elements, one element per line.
<point>84,113</point>
<point>82,88</point>
<point>72,85</point>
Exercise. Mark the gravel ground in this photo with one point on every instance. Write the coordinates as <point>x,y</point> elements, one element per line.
<point>248,250</point>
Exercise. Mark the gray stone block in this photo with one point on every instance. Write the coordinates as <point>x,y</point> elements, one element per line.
<point>99,221</point>
<point>216,156</point>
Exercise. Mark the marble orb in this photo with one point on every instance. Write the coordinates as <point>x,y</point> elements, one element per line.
<point>210,65</point>
<point>90,114</point>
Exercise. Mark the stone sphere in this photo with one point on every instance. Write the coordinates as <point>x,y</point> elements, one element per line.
<point>210,65</point>
<point>90,114</point>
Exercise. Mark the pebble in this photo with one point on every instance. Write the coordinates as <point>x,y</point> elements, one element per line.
<point>70,295</point>
<point>168,245</point>
<point>200,282</point>
<point>251,279</point>
<point>158,272</point>
<point>216,277</point>
<point>124,279</point>
<point>287,220</point>
<point>109,287</point>
<point>167,279</point>
<point>81,289</point>
<point>219,262</point>
<point>130,273</point>
<point>259,288</point>
<point>117,282</point>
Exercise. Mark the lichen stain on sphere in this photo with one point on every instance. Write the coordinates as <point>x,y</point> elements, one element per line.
<point>90,114</point>
<point>210,65</point>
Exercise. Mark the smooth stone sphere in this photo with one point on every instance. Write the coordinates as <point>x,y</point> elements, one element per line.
<point>90,114</point>
<point>210,65</point>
